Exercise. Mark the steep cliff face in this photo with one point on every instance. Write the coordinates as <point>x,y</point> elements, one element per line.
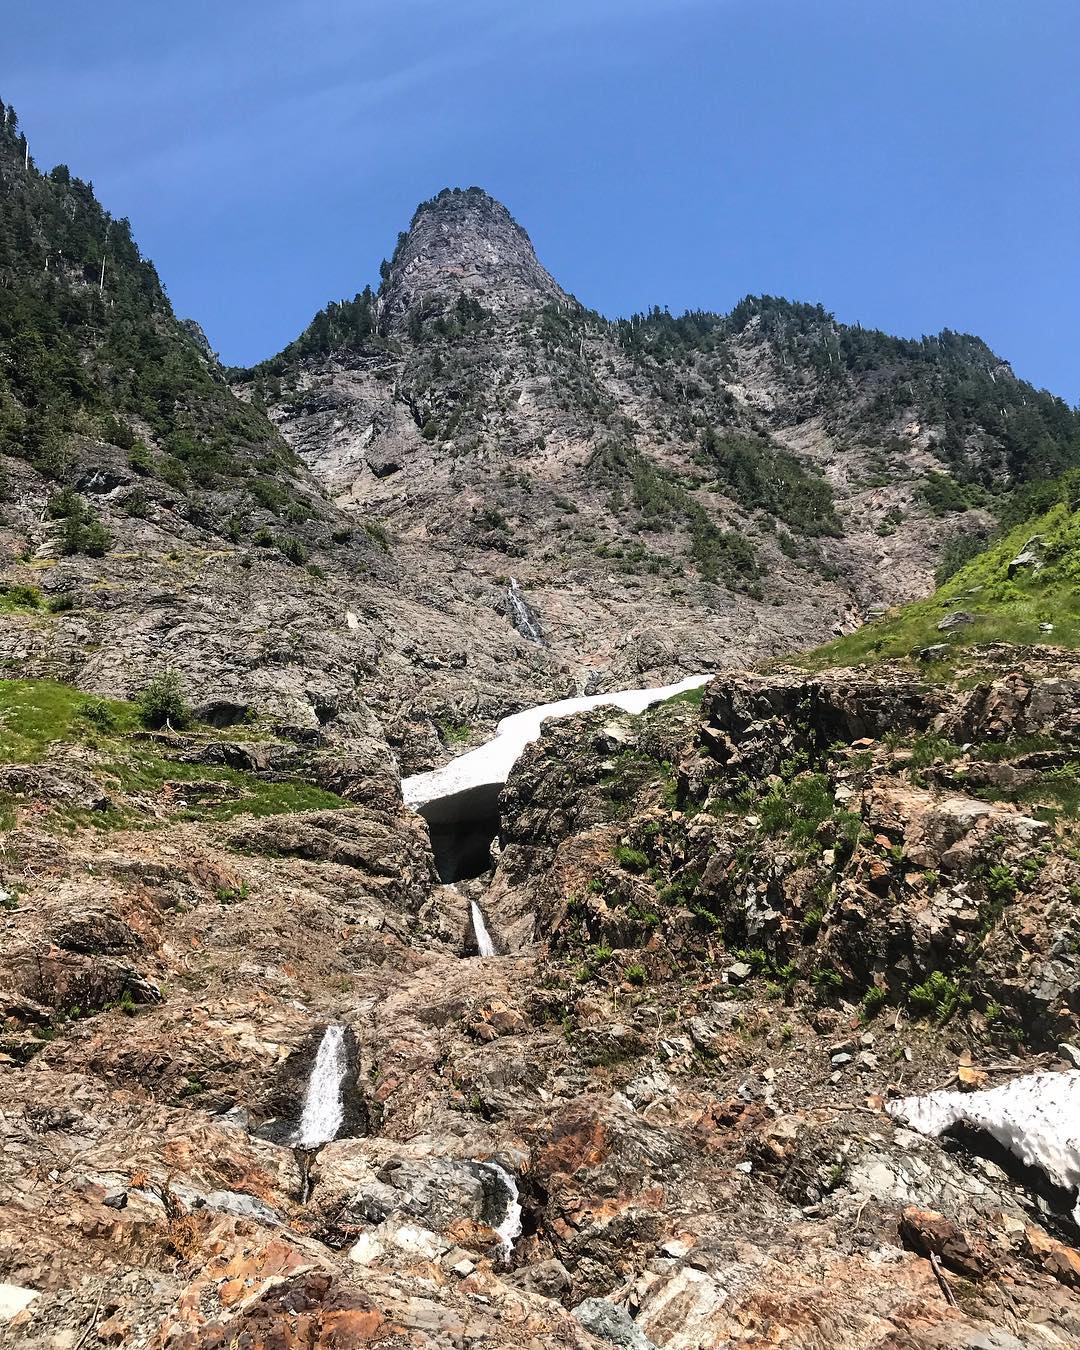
<point>149,519</point>
<point>464,243</point>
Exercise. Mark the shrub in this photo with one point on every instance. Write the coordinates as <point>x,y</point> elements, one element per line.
<point>378,534</point>
<point>632,859</point>
<point>958,551</point>
<point>80,529</point>
<point>99,713</point>
<point>117,433</point>
<point>294,550</point>
<point>938,996</point>
<point>66,502</point>
<point>21,597</point>
<point>269,495</point>
<point>140,460</point>
<point>84,534</point>
<point>162,703</point>
<point>873,1000</point>
<point>635,973</point>
<point>137,504</point>
<point>943,494</point>
<point>174,473</point>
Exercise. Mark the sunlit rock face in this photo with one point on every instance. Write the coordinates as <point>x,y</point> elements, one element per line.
<point>465,243</point>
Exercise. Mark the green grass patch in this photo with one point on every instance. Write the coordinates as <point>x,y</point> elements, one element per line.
<point>692,698</point>
<point>798,808</point>
<point>454,733</point>
<point>144,770</point>
<point>631,859</point>
<point>1005,609</point>
<point>1055,793</point>
<point>34,713</point>
<point>16,598</point>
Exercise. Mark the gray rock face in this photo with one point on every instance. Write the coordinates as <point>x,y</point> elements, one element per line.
<point>612,1324</point>
<point>465,243</point>
<point>1029,559</point>
<point>475,421</point>
<point>392,851</point>
<point>438,1191</point>
<point>958,619</point>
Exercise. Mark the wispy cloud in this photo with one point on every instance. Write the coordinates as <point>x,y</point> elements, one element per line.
<point>308,72</point>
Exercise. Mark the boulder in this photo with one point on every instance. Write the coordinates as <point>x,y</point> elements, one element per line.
<point>611,1323</point>
<point>959,618</point>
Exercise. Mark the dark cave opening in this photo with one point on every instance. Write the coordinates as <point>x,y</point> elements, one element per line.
<point>1053,1204</point>
<point>462,828</point>
<point>463,851</point>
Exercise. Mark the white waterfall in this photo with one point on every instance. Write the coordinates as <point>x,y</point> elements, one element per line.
<point>484,944</point>
<point>521,615</point>
<point>324,1109</point>
<point>510,1228</point>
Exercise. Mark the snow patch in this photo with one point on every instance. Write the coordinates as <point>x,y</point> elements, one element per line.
<point>13,1299</point>
<point>1036,1117</point>
<point>488,766</point>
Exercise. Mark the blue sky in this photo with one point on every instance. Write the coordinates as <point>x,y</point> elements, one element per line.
<point>912,164</point>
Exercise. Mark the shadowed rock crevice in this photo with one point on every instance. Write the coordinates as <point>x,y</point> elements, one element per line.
<point>1054,1204</point>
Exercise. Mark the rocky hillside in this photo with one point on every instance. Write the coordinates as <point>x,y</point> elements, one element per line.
<point>1022,588</point>
<point>653,1072</point>
<point>763,478</point>
<point>736,933</point>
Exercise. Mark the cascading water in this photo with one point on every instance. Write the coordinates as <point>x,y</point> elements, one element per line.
<point>521,615</point>
<point>324,1109</point>
<point>509,1230</point>
<point>484,944</point>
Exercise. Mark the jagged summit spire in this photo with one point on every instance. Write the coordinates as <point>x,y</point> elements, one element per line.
<point>463,241</point>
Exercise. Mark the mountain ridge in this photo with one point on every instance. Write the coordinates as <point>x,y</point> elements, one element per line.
<point>703,450</point>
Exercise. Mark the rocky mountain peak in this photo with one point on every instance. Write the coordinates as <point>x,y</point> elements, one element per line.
<point>464,242</point>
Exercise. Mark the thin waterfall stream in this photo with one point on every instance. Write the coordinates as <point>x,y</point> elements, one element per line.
<point>509,1230</point>
<point>324,1106</point>
<point>521,614</point>
<point>484,945</point>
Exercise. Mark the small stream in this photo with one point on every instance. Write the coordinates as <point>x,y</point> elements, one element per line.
<point>521,614</point>
<point>509,1230</point>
